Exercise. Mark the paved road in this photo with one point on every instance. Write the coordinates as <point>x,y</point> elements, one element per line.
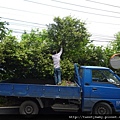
<point>15,110</point>
<point>44,113</point>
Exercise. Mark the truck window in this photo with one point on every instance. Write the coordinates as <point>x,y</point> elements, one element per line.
<point>98,76</point>
<point>104,76</point>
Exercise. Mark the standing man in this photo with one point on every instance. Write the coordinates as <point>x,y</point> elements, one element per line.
<point>56,62</point>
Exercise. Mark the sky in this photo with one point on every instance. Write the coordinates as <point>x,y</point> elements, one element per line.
<point>102,17</point>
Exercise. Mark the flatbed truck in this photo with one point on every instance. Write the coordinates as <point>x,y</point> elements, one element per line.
<point>96,90</point>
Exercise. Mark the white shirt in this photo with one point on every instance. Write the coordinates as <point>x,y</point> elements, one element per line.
<point>56,59</point>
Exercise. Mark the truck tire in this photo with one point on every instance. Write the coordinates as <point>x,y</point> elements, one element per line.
<point>102,108</point>
<point>29,108</point>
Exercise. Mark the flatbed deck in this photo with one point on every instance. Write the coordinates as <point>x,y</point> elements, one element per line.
<point>37,90</point>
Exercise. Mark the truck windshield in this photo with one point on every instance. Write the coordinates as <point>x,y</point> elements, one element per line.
<point>104,76</point>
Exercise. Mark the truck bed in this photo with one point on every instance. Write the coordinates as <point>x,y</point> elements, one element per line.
<point>40,88</point>
<point>37,90</point>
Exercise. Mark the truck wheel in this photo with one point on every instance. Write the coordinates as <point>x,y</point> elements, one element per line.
<point>28,108</point>
<point>102,109</point>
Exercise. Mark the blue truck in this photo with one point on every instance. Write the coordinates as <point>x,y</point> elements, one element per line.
<point>96,90</point>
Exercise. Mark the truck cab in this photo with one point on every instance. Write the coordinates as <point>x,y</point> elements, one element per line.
<point>100,90</point>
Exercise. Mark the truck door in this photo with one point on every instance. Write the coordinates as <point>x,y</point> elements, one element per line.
<point>101,85</point>
<point>105,85</point>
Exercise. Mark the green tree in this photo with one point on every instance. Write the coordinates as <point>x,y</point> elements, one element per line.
<point>34,57</point>
<point>9,47</point>
<point>116,43</point>
<point>114,47</point>
<point>31,58</point>
<point>3,29</point>
<point>71,33</point>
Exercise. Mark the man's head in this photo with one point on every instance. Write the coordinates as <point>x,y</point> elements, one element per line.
<point>54,52</point>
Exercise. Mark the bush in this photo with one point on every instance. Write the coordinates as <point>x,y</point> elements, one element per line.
<point>67,69</point>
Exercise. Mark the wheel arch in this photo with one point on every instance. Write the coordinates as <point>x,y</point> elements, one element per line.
<point>105,101</point>
<point>38,101</point>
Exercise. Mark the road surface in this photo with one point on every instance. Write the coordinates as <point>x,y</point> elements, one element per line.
<point>12,112</point>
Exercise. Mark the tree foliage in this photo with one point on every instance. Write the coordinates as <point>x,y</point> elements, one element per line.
<point>115,48</point>
<point>31,56</point>
<point>3,29</point>
<point>116,43</point>
<point>25,59</point>
<point>71,33</point>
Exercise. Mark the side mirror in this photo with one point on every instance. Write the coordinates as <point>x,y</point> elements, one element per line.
<point>111,80</point>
